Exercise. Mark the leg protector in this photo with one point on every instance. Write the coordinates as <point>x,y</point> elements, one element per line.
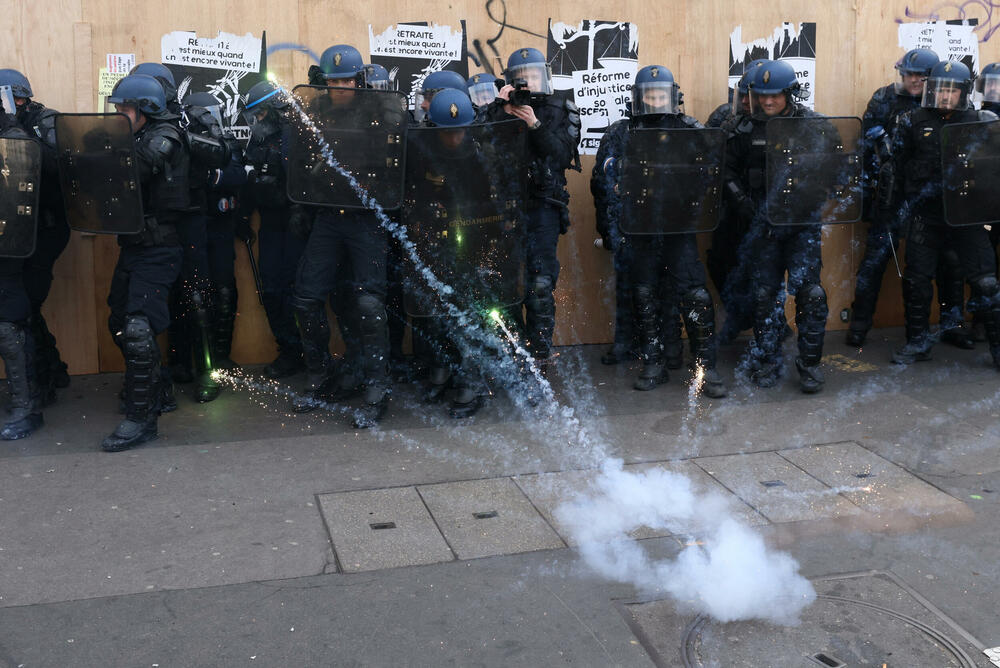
<point>224,317</point>
<point>142,370</point>
<point>540,315</point>
<point>374,335</point>
<point>670,328</point>
<point>918,292</point>
<point>314,329</point>
<point>768,324</point>
<point>646,308</point>
<point>810,317</point>
<point>699,319</point>
<point>17,351</point>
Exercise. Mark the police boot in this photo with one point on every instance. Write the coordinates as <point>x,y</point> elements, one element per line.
<point>374,335</point>
<point>287,363</point>
<point>223,319</point>
<point>467,402</point>
<point>917,296</point>
<point>810,318</point>
<point>699,319</point>
<point>857,332</point>
<point>17,351</point>
<point>208,388</point>
<point>314,330</point>
<point>959,337</point>
<point>617,353</point>
<point>437,384</point>
<point>986,297</point>
<point>142,387</point>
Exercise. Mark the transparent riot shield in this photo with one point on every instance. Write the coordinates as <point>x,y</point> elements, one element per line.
<point>814,170</point>
<point>99,173</point>
<point>671,180</point>
<point>464,209</point>
<point>970,170</point>
<point>363,131</point>
<point>20,171</point>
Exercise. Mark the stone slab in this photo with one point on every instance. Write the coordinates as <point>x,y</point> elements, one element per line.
<point>482,518</point>
<point>382,528</point>
<point>779,490</point>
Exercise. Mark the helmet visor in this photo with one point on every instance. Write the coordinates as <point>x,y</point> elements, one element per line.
<point>7,100</point>
<point>482,94</point>
<point>422,102</point>
<point>655,97</point>
<point>538,77</point>
<point>989,86</point>
<point>945,94</point>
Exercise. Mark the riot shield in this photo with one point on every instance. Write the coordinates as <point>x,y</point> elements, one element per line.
<point>363,130</point>
<point>99,173</point>
<point>464,209</point>
<point>20,172</point>
<point>814,170</point>
<point>671,180</point>
<point>970,171</point>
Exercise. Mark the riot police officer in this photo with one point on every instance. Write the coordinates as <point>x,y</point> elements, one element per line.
<point>280,246</point>
<point>554,133</point>
<point>346,244</point>
<point>17,346</point>
<point>190,331</point>
<point>919,201</point>
<point>432,84</point>
<point>774,90</point>
<point>38,121</point>
<point>149,262</point>
<point>660,259</point>
<point>878,122</point>
<point>377,77</point>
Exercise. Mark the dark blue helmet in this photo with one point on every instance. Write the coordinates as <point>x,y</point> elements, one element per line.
<point>432,84</point>
<point>263,95</point>
<point>654,91</point>
<point>18,83</point>
<point>143,91</point>
<point>341,61</point>
<point>917,61</point>
<point>988,83</point>
<point>451,109</point>
<point>948,86</point>
<point>744,84</point>
<point>162,74</point>
<point>482,88</point>
<point>773,77</point>
<point>442,79</point>
<point>530,66</point>
<point>377,77</point>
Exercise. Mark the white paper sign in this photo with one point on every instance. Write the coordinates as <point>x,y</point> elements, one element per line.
<point>431,42</point>
<point>793,43</point>
<point>120,63</point>
<point>948,40</point>
<point>224,52</point>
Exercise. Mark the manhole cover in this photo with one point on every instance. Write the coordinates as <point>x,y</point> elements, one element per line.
<point>870,619</point>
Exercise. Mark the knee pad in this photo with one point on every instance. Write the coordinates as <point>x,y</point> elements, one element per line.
<point>985,286</point>
<point>12,337</point>
<point>540,284</point>
<point>370,305</point>
<point>138,339</point>
<point>811,295</point>
<point>305,305</point>
<point>697,298</point>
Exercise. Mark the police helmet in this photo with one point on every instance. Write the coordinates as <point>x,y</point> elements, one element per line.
<point>988,83</point>
<point>143,91</point>
<point>914,62</point>
<point>529,65</point>
<point>161,73</point>
<point>206,101</point>
<point>451,108</point>
<point>654,91</point>
<point>948,86</point>
<point>773,78</point>
<point>18,83</point>
<point>482,88</point>
<point>377,77</point>
<point>341,61</point>
<point>434,83</point>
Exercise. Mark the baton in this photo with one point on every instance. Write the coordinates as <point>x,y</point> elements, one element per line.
<point>895,259</point>
<point>254,270</point>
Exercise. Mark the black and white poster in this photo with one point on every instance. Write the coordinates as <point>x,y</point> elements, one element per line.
<point>950,40</point>
<point>594,64</point>
<point>226,66</point>
<point>795,43</point>
<point>411,51</point>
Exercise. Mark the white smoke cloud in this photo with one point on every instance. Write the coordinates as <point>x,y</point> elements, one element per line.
<point>730,574</point>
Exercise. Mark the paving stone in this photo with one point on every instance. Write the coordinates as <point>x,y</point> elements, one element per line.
<point>776,488</point>
<point>871,482</point>
<point>482,518</point>
<point>382,528</point>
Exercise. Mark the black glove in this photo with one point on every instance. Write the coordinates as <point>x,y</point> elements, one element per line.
<point>243,231</point>
<point>300,221</point>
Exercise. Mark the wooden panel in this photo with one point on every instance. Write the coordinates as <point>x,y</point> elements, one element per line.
<point>856,43</point>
